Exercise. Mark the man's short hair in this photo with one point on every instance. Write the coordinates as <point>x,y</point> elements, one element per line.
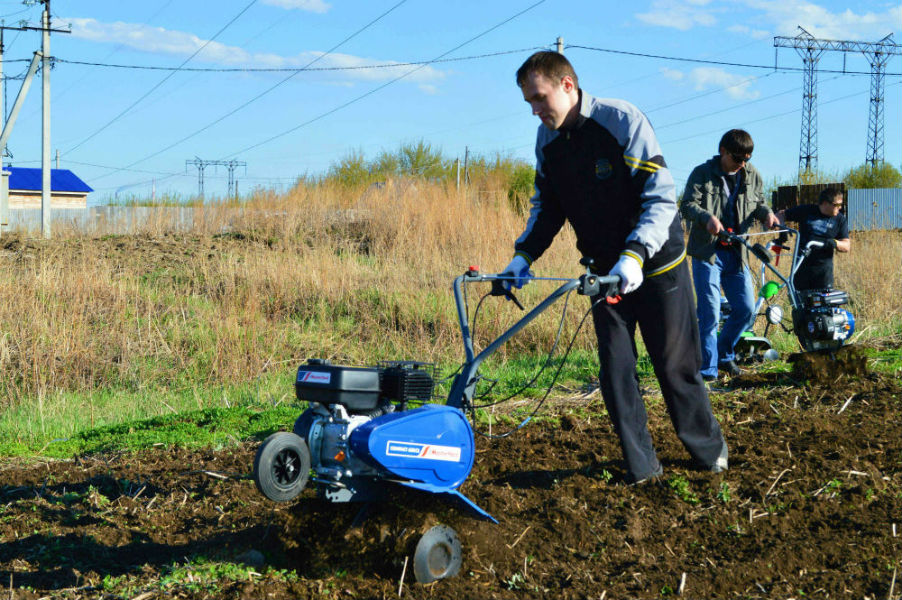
<point>737,141</point>
<point>552,65</point>
<point>828,194</point>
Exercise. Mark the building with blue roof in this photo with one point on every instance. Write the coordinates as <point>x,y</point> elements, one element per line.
<point>67,190</point>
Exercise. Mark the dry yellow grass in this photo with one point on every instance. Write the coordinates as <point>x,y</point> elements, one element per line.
<point>317,272</point>
<point>872,274</point>
<point>355,275</point>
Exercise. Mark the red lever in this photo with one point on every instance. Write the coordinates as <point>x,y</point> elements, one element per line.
<point>725,243</point>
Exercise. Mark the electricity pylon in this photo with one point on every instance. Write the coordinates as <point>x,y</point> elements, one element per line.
<point>201,164</point>
<point>810,49</point>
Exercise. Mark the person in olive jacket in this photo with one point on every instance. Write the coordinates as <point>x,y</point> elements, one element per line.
<point>723,193</point>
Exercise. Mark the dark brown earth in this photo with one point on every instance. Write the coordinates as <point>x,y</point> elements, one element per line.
<point>811,507</point>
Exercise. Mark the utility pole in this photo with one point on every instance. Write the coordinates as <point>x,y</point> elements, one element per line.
<point>810,49</point>
<point>200,164</point>
<point>2,105</point>
<point>44,56</point>
<point>466,165</point>
<point>560,45</point>
<point>233,183</point>
<point>4,178</point>
<point>7,130</point>
<point>45,122</point>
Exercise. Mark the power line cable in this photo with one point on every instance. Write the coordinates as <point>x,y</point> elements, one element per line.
<point>115,49</point>
<point>268,90</point>
<point>293,69</point>
<point>783,114</point>
<point>18,12</point>
<point>411,63</point>
<point>741,105</point>
<point>773,67</point>
<point>154,88</point>
<point>385,85</point>
<point>709,92</point>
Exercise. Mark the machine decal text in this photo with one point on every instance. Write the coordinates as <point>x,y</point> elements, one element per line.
<point>428,451</point>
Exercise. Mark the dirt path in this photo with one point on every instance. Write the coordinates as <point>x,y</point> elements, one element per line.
<point>811,507</point>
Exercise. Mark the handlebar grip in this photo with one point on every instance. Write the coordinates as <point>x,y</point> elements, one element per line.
<point>594,285</point>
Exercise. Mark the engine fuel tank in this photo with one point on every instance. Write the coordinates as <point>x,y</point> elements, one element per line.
<point>432,444</point>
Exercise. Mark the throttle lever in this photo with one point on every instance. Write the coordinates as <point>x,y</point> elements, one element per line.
<point>498,289</point>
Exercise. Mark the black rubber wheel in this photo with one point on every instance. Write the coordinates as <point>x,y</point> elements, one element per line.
<point>282,466</point>
<point>438,555</point>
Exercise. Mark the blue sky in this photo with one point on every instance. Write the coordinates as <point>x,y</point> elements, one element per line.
<point>126,130</point>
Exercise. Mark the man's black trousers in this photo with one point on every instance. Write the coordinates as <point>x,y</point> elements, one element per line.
<point>819,277</point>
<point>664,309</point>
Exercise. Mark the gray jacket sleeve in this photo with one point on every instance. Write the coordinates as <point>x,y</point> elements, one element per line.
<point>651,177</point>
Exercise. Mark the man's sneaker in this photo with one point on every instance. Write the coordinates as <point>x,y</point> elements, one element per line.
<point>730,368</point>
<point>649,478</point>
<point>709,378</point>
<point>720,465</point>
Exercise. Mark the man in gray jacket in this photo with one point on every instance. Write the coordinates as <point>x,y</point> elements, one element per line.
<point>600,168</point>
<point>724,193</point>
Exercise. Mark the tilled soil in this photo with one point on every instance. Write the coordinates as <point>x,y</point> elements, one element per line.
<point>810,507</point>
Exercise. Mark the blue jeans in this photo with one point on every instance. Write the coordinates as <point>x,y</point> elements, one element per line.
<point>728,272</point>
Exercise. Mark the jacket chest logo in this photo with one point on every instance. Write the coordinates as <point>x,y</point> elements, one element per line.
<point>603,168</point>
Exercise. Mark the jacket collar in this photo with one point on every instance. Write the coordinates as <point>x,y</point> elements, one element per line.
<point>718,170</point>
<point>585,110</point>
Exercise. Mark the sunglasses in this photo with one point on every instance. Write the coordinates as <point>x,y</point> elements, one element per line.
<point>740,158</point>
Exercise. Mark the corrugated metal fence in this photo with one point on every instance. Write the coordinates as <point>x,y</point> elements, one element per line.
<point>875,209</point>
<point>101,220</point>
<point>866,209</point>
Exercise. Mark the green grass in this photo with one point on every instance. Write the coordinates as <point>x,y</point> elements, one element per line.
<point>888,362</point>
<point>189,413</point>
<point>200,575</point>
<point>67,424</point>
<point>211,427</point>
<point>64,424</point>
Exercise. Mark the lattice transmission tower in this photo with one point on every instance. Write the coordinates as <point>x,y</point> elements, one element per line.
<point>201,164</point>
<point>810,49</point>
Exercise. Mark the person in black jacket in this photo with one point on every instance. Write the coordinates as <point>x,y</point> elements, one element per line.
<point>821,222</point>
<point>599,167</point>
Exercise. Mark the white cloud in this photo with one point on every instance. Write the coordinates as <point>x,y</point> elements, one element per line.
<point>680,14</point>
<point>180,44</point>
<point>737,87</point>
<point>758,34</point>
<point>317,6</point>
<point>787,15</point>
<point>672,74</point>
<point>776,17</point>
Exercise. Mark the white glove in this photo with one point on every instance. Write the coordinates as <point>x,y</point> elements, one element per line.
<point>630,272</point>
<point>519,269</point>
